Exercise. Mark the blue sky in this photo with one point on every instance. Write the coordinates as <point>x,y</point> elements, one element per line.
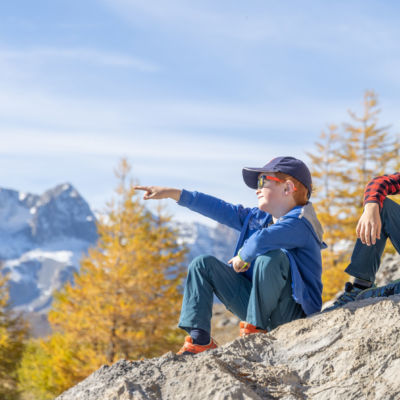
<point>190,92</point>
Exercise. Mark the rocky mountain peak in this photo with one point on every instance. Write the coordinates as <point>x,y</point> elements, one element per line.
<point>62,212</point>
<point>42,238</point>
<point>28,220</point>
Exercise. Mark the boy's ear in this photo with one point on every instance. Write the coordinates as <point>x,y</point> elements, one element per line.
<point>289,186</point>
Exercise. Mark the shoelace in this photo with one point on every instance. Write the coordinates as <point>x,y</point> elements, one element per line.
<point>350,293</point>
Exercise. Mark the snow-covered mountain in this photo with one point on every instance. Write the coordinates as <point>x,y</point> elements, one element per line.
<point>29,221</point>
<point>42,239</point>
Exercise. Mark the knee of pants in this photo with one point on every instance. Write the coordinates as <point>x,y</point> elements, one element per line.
<point>274,259</point>
<point>202,263</point>
<point>388,206</point>
<point>390,213</point>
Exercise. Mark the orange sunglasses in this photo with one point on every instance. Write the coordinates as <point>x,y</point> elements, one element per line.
<point>263,178</point>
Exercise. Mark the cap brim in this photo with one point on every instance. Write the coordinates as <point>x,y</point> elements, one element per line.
<point>250,176</point>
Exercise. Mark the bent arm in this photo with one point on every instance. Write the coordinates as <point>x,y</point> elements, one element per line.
<point>369,225</point>
<point>287,234</point>
<point>378,188</point>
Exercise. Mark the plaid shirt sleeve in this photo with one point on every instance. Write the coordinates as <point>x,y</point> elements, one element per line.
<point>378,188</point>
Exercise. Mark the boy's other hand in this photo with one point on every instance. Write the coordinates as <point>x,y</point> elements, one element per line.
<point>369,225</point>
<point>159,192</point>
<point>238,264</point>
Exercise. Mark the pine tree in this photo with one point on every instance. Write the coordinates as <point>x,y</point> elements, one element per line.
<point>13,334</point>
<point>324,161</point>
<point>128,287</point>
<point>125,301</point>
<point>366,150</point>
<point>344,162</point>
<point>49,366</point>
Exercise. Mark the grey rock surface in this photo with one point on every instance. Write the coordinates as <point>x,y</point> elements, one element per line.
<point>348,353</point>
<point>389,270</point>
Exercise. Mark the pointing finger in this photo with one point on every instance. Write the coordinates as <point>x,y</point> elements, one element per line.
<point>141,187</point>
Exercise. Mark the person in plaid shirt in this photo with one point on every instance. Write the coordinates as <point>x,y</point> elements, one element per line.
<point>380,220</point>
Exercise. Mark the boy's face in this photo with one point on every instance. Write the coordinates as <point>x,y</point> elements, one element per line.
<point>270,196</point>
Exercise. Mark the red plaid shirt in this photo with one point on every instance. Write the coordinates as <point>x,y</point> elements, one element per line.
<point>378,188</point>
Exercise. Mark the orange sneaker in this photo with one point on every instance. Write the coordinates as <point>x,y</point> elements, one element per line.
<point>248,329</point>
<point>190,348</point>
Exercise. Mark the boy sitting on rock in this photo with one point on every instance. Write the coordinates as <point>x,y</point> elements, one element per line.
<point>276,271</point>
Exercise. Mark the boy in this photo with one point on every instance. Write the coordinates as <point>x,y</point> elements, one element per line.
<point>380,220</point>
<point>276,271</point>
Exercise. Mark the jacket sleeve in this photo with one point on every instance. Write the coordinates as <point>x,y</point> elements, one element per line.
<point>287,234</point>
<point>378,188</point>
<point>216,209</point>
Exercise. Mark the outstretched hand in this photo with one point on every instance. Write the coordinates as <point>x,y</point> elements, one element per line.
<point>159,192</point>
<point>238,264</point>
<point>369,225</point>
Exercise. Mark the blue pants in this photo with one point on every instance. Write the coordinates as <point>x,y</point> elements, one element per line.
<point>365,260</point>
<point>266,302</point>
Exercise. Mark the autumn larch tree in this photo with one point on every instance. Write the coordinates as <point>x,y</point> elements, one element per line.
<point>126,298</point>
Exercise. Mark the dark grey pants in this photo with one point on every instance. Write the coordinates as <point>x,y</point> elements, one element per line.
<point>365,260</point>
<point>266,302</point>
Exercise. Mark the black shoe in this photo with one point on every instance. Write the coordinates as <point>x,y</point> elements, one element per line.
<point>390,289</point>
<point>350,294</point>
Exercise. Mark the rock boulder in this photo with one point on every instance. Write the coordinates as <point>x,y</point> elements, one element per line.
<point>348,353</point>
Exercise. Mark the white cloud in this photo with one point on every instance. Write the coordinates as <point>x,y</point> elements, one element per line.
<point>145,146</point>
<point>27,106</point>
<point>40,55</point>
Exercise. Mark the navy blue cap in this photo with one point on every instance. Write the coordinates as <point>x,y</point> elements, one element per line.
<point>288,165</point>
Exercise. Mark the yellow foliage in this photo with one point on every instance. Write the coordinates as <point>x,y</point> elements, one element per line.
<point>344,162</point>
<point>13,333</point>
<point>333,277</point>
<point>48,367</point>
<point>125,300</point>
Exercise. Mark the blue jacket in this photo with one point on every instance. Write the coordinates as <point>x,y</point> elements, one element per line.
<point>298,234</point>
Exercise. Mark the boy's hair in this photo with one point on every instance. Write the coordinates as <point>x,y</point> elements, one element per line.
<point>300,196</point>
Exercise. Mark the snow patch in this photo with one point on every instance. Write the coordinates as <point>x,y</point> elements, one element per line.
<point>60,256</point>
<point>22,196</point>
<point>16,276</point>
<point>33,210</point>
<point>63,256</point>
